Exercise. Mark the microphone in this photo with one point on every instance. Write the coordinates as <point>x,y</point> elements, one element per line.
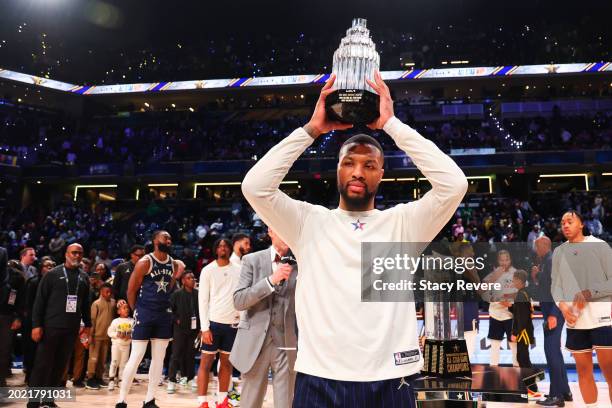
<point>288,259</point>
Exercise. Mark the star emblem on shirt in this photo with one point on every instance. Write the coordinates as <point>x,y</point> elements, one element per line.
<point>161,285</point>
<point>358,225</point>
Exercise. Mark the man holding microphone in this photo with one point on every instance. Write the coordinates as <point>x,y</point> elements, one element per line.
<point>266,336</point>
<point>347,348</point>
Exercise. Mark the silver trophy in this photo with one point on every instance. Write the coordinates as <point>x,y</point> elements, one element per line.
<point>353,100</point>
<point>445,351</point>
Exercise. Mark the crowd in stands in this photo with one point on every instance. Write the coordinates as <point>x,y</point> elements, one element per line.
<point>151,137</point>
<point>107,235</point>
<point>479,39</point>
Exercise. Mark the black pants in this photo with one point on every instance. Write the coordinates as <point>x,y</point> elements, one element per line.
<point>522,356</point>
<point>6,345</point>
<point>29,349</point>
<point>183,354</point>
<point>52,357</point>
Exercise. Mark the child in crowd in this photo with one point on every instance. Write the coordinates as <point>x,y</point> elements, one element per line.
<point>102,314</point>
<point>120,332</point>
<point>522,325</point>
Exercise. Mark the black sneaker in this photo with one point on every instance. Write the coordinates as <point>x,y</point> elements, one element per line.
<point>102,383</point>
<point>121,405</point>
<point>551,402</point>
<point>568,397</point>
<point>92,384</point>
<point>150,404</point>
<point>78,384</point>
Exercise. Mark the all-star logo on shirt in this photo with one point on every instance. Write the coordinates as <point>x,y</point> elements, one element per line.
<point>161,285</point>
<point>358,225</point>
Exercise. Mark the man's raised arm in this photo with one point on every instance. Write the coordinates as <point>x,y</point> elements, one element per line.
<point>261,184</point>
<point>448,182</point>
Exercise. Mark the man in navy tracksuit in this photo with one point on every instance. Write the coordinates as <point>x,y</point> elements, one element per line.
<point>553,327</point>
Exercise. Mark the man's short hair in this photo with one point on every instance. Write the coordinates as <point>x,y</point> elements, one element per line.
<point>135,248</point>
<point>106,285</point>
<point>156,233</point>
<point>362,138</point>
<point>24,251</point>
<point>239,236</point>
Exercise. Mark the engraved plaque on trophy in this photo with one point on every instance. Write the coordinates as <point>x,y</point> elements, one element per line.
<point>353,100</point>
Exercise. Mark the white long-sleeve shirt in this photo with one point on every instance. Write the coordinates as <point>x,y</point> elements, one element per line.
<point>498,311</point>
<point>216,294</point>
<point>127,324</point>
<point>580,266</point>
<point>341,337</point>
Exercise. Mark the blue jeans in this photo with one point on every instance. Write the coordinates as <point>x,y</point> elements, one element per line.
<point>554,359</point>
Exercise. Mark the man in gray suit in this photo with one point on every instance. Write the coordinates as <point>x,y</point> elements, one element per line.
<point>267,331</point>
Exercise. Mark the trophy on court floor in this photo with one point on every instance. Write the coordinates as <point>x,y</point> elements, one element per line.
<point>445,351</point>
<point>353,100</point>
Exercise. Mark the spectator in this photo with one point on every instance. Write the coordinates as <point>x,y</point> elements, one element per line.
<point>186,328</point>
<point>120,333</point>
<point>102,314</point>
<point>29,352</point>
<point>11,310</point>
<point>27,257</point>
<point>124,271</point>
<point>56,316</point>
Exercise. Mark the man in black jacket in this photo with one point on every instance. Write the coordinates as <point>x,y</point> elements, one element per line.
<point>61,302</point>
<point>123,272</point>
<point>186,327</point>
<point>29,352</point>
<point>11,312</point>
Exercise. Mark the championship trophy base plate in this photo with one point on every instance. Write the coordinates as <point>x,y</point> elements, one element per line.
<point>356,106</point>
<point>446,358</point>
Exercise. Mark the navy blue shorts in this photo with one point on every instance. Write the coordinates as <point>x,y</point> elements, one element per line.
<point>311,391</point>
<point>585,340</point>
<point>152,324</point>
<point>497,328</point>
<point>223,336</point>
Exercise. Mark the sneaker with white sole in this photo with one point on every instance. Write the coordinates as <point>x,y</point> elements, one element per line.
<point>171,388</point>
<point>111,385</point>
<point>234,398</point>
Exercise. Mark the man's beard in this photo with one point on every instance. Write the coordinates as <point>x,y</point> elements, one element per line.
<point>164,248</point>
<point>242,251</point>
<point>355,202</point>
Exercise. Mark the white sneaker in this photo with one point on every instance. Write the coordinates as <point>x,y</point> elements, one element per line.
<point>171,389</point>
<point>111,385</point>
<point>193,384</point>
<point>183,381</point>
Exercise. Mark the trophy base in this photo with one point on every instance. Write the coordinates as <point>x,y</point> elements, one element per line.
<point>446,358</point>
<point>356,106</point>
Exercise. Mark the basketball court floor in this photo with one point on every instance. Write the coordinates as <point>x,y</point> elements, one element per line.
<point>185,397</point>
